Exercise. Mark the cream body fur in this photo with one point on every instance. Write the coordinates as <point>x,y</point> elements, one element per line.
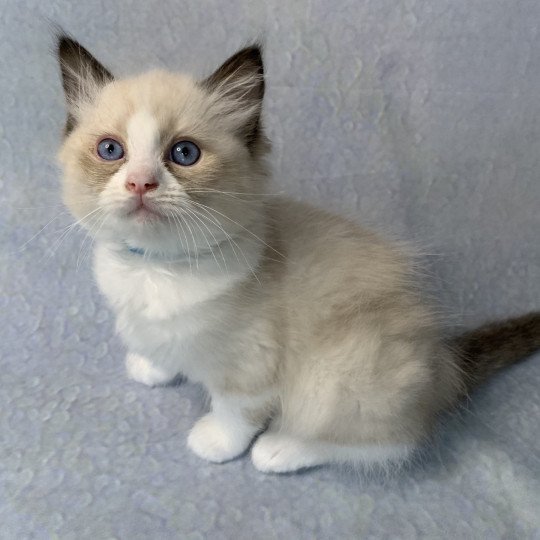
<point>295,321</point>
<point>284,346</point>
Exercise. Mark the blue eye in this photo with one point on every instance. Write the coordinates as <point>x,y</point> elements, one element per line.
<point>185,153</point>
<point>110,150</point>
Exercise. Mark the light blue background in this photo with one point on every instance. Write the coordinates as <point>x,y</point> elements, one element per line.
<point>421,117</point>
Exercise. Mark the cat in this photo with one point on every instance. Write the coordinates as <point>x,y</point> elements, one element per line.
<point>307,331</point>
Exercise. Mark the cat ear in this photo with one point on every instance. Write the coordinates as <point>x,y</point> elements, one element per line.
<point>82,76</point>
<point>240,82</point>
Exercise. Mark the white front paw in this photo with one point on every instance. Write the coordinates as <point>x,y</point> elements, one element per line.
<point>276,453</point>
<point>212,440</point>
<point>143,371</point>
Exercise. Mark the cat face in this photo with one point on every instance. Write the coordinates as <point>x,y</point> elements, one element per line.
<point>150,157</point>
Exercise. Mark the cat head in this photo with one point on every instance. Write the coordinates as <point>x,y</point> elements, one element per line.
<point>148,158</point>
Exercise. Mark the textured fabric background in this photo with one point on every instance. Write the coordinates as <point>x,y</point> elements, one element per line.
<point>421,117</point>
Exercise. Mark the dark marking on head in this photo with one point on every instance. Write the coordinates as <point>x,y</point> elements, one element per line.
<point>242,77</point>
<point>81,73</point>
<point>96,173</point>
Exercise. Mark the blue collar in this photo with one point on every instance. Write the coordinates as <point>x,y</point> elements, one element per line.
<point>137,251</point>
<point>178,257</point>
<point>154,255</point>
<point>163,257</point>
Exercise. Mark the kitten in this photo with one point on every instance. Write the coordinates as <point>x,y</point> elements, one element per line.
<point>292,319</point>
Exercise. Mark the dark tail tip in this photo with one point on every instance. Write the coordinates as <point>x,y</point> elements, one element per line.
<point>493,346</point>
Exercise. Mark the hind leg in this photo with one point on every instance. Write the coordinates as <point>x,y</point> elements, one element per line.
<point>228,430</point>
<point>276,452</point>
<point>326,430</point>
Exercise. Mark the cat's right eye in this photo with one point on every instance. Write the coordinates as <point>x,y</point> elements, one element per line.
<point>110,150</point>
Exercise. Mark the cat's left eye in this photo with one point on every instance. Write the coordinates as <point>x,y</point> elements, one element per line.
<point>185,153</point>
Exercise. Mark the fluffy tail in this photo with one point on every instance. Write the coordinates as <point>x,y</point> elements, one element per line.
<point>493,346</point>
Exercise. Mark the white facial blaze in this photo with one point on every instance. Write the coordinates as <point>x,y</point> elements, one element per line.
<point>143,144</point>
<point>144,163</point>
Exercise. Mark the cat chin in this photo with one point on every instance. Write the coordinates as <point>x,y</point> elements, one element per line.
<point>145,216</point>
<point>139,230</point>
<point>140,219</point>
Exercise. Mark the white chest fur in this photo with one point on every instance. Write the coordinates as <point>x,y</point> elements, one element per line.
<point>168,312</point>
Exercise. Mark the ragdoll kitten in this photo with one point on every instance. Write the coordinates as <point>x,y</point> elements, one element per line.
<point>294,320</point>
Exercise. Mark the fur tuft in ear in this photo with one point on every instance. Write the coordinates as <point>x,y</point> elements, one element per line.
<point>240,80</point>
<point>82,76</point>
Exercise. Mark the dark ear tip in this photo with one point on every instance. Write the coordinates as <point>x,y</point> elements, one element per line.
<point>58,35</point>
<point>65,44</point>
<point>75,61</point>
<point>255,49</point>
<point>63,41</point>
<point>253,52</point>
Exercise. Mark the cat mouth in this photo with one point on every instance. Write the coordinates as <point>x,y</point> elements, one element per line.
<point>144,212</point>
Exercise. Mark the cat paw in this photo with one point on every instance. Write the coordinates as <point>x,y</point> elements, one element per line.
<point>143,371</point>
<point>213,441</point>
<point>277,453</point>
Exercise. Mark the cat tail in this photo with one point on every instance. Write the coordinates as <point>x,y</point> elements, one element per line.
<point>493,346</point>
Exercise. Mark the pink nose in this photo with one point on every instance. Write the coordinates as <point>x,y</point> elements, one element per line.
<point>141,184</point>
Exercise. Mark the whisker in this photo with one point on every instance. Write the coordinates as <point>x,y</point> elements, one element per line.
<point>186,249</point>
<point>223,192</point>
<point>195,215</point>
<point>231,242</point>
<point>66,232</point>
<point>204,236</point>
<point>239,196</point>
<point>41,230</point>
<point>239,225</point>
<point>186,211</point>
<point>90,234</point>
<point>213,221</point>
<point>194,244</point>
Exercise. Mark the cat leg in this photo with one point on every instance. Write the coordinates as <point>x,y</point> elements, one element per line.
<point>142,370</point>
<point>228,430</point>
<point>276,452</point>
